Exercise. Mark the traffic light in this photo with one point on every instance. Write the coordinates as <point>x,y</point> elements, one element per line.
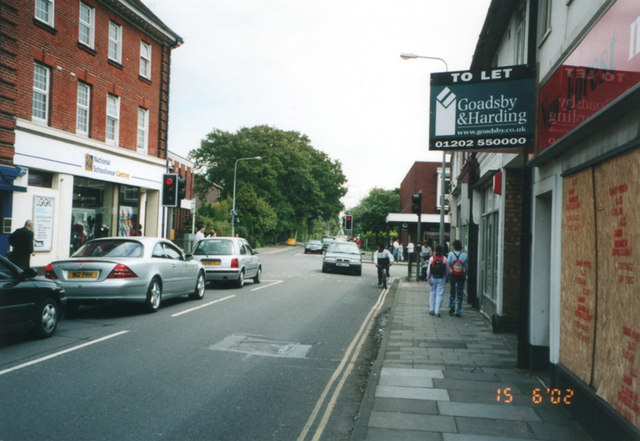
<point>182,189</point>
<point>170,189</point>
<point>348,222</point>
<point>416,203</point>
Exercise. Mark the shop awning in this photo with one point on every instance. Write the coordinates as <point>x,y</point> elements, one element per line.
<point>7,175</point>
<point>400,218</point>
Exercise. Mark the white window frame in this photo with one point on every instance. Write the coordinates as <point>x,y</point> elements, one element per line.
<point>39,91</point>
<point>145,60</point>
<point>44,11</point>
<point>142,142</point>
<point>83,108</point>
<point>115,42</point>
<point>113,117</point>
<point>545,19</point>
<point>89,26</point>
<point>521,36</point>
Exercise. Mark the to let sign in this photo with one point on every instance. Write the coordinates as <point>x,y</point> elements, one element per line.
<point>489,109</point>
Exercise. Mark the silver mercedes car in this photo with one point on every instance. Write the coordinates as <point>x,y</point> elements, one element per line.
<point>146,270</point>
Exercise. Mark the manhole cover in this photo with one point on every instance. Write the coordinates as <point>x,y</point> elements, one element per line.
<point>263,346</point>
<point>443,344</point>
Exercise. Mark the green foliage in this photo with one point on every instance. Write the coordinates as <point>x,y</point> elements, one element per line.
<point>370,216</point>
<point>292,189</point>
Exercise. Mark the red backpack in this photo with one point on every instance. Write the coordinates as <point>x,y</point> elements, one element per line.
<point>437,267</point>
<point>457,267</point>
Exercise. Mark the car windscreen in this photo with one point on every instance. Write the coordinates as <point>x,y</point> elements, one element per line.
<point>214,246</point>
<point>343,248</point>
<point>110,248</point>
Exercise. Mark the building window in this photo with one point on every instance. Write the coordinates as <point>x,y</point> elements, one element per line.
<point>44,11</point>
<point>115,42</point>
<point>545,18</point>
<point>39,178</point>
<point>87,25</point>
<point>82,116</point>
<point>145,60</point>
<point>41,76</point>
<point>143,130</point>
<point>113,119</point>
<point>91,212</point>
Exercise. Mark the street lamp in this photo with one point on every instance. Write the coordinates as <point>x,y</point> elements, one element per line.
<point>444,155</point>
<point>233,209</point>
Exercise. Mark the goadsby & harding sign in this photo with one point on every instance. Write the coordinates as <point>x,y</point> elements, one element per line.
<point>482,110</point>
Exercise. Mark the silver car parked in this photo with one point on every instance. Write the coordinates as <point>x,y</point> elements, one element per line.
<point>132,269</point>
<point>228,259</point>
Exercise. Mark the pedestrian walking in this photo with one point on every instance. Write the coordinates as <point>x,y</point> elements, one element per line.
<point>458,266</point>
<point>21,241</point>
<point>199,234</point>
<point>437,278</point>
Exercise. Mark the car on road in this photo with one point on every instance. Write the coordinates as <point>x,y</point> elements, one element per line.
<point>313,246</point>
<point>326,241</point>
<point>144,270</point>
<point>228,259</point>
<point>342,256</point>
<point>28,302</point>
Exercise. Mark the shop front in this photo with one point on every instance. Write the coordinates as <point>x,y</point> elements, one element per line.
<point>80,191</point>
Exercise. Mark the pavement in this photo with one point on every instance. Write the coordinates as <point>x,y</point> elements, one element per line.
<point>453,379</point>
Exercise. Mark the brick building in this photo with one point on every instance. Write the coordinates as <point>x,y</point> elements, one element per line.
<point>425,177</point>
<point>83,133</point>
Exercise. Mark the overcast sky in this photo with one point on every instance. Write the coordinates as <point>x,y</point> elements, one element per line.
<point>329,69</point>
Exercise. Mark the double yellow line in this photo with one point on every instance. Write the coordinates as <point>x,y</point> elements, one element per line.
<point>341,374</point>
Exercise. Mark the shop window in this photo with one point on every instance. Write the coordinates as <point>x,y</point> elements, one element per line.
<point>92,211</point>
<point>128,220</point>
<point>39,178</point>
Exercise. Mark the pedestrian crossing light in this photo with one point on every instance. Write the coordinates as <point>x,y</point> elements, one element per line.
<point>348,222</point>
<point>170,189</point>
<point>416,203</point>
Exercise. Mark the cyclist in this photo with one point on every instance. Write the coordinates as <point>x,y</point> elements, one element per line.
<point>383,259</point>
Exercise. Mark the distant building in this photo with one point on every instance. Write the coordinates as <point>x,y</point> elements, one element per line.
<point>425,177</point>
<point>83,132</point>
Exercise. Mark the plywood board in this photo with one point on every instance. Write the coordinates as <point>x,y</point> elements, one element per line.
<point>617,356</point>
<point>578,275</point>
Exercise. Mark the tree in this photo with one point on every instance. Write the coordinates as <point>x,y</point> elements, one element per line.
<point>299,183</point>
<point>371,214</point>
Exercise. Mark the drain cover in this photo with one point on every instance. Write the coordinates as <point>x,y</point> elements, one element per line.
<point>443,344</point>
<point>262,346</point>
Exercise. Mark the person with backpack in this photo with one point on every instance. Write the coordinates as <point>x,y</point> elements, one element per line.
<point>458,266</point>
<point>437,271</point>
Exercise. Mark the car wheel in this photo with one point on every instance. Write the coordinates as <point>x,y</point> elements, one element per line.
<point>358,272</point>
<point>256,279</point>
<point>154,295</point>
<point>47,316</point>
<point>198,293</point>
<point>240,281</point>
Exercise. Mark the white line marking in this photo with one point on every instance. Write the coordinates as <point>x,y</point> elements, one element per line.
<point>273,282</point>
<point>202,306</point>
<point>56,354</point>
<point>342,372</point>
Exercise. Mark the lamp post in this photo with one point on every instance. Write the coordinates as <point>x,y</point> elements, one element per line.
<point>444,155</point>
<point>233,209</point>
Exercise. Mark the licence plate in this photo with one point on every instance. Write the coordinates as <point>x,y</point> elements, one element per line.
<point>342,263</point>
<point>82,275</point>
<point>211,262</point>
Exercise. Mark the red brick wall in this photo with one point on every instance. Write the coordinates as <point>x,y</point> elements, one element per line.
<point>422,176</point>
<point>70,62</point>
<point>8,77</point>
<point>512,244</point>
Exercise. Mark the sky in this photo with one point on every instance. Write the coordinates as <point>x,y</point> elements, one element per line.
<point>328,69</point>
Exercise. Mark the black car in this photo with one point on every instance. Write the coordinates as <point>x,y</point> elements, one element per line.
<point>27,302</point>
<point>313,246</point>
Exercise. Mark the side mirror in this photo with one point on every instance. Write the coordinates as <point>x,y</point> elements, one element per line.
<point>256,252</point>
<point>29,273</point>
<point>188,257</point>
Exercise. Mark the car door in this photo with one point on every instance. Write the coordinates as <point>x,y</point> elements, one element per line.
<point>165,267</point>
<point>251,261</point>
<point>183,272</point>
<point>16,299</point>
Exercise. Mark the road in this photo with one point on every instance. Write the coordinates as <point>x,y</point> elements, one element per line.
<point>281,360</point>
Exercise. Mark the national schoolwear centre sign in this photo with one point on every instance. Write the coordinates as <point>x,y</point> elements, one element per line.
<point>482,110</point>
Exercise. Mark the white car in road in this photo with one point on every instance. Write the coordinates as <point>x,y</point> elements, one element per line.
<point>228,259</point>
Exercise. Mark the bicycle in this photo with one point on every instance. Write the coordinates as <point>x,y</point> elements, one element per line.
<point>383,269</point>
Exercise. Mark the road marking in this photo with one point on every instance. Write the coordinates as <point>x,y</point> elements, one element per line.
<point>352,353</point>
<point>56,354</point>
<point>273,282</point>
<point>202,306</point>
